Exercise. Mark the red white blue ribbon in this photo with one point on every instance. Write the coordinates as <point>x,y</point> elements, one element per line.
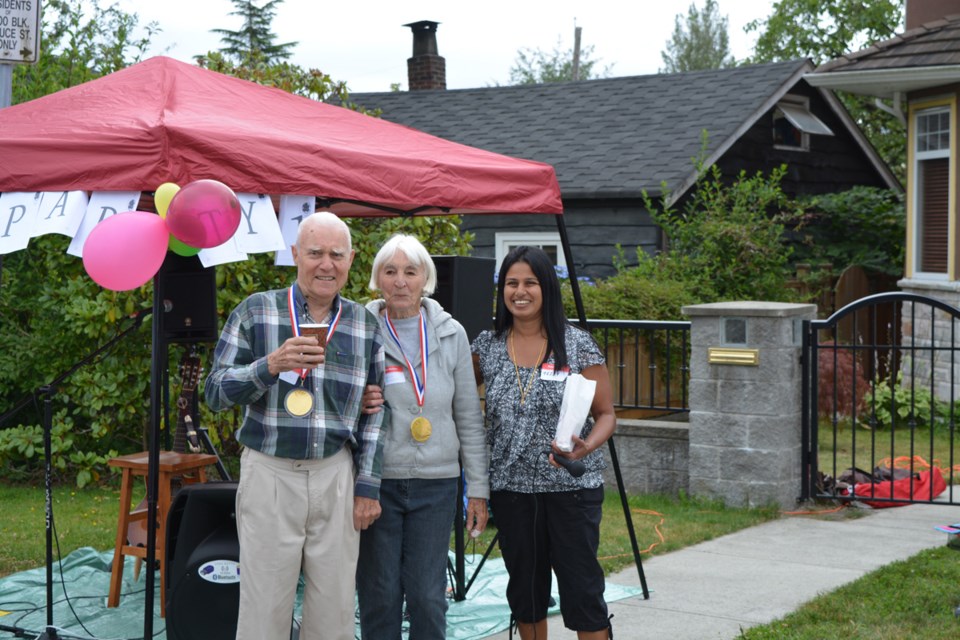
<point>419,385</point>
<point>295,323</point>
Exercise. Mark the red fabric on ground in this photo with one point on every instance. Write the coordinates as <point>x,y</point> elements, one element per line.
<point>919,484</point>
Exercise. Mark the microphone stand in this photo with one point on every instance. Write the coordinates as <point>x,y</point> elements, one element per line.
<point>48,390</point>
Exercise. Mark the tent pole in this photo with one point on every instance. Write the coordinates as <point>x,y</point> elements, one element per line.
<point>158,348</point>
<point>578,300</point>
<point>571,269</point>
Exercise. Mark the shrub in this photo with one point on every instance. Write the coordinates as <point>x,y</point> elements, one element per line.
<point>728,242</point>
<point>906,406</point>
<point>836,384</point>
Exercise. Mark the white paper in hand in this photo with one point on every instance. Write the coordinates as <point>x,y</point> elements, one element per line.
<point>577,398</point>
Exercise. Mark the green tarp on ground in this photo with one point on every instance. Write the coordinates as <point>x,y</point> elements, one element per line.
<point>82,581</point>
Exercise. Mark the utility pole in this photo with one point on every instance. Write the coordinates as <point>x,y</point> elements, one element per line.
<point>576,53</point>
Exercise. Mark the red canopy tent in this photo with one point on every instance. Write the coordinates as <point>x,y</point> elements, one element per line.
<point>166,121</point>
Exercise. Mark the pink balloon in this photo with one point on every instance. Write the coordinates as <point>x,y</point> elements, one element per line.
<point>125,250</point>
<point>204,214</point>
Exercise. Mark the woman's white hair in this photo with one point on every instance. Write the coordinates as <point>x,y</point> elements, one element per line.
<point>415,252</point>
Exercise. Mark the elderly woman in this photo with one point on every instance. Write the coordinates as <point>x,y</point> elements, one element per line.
<point>433,423</point>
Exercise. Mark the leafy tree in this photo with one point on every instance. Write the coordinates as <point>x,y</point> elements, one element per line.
<point>863,226</point>
<point>535,66</point>
<point>81,41</point>
<point>309,83</point>
<point>823,30</point>
<point>703,43</point>
<point>254,39</point>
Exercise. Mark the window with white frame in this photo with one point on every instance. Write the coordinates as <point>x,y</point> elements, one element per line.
<point>549,242</point>
<point>794,123</point>
<point>931,197</point>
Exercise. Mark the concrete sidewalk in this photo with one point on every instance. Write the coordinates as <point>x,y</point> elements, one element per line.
<point>715,589</point>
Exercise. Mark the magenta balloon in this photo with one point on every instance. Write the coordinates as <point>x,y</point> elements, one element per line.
<point>125,250</point>
<point>204,214</point>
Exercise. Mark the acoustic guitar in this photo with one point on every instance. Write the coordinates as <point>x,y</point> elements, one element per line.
<point>184,439</point>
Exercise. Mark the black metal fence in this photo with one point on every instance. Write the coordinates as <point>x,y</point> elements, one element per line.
<point>880,390</point>
<point>648,362</point>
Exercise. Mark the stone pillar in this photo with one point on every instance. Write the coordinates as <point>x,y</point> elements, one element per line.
<point>745,395</point>
<point>926,339</point>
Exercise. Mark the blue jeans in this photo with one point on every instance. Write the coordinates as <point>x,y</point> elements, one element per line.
<point>404,555</point>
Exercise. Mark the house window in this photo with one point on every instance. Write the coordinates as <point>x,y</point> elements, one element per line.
<point>549,242</point>
<point>932,193</point>
<point>794,123</point>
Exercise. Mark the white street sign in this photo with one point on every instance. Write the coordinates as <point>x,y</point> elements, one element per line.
<point>19,31</point>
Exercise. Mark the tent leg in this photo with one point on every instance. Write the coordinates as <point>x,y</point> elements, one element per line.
<point>571,269</point>
<point>158,349</point>
<point>628,518</point>
<point>581,313</point>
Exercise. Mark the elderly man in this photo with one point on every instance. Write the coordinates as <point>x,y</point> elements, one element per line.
<point>311,463</point>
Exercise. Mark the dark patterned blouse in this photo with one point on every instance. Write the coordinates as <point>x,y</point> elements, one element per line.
<point>519,434</point>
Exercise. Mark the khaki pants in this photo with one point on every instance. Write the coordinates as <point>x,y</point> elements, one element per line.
<point>295,515</point>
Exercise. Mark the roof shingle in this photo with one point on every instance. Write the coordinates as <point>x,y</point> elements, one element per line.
<point>610,137</point>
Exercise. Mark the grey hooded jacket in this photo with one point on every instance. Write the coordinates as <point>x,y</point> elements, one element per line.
<point>451,404</point>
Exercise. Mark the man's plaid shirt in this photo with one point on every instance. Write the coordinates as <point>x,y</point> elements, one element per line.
<point>353,359</point>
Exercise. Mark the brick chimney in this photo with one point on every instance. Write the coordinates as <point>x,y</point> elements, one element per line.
<point>425,70</point>
<point>920,12</point>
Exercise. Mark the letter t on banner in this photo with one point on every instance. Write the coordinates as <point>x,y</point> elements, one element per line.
<point>293,209</point>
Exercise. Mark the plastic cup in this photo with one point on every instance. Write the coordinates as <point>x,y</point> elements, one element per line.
<point>319,330</point>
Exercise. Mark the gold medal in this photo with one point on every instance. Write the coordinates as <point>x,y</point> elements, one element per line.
<point>298,402</point>
<point>420,429</point>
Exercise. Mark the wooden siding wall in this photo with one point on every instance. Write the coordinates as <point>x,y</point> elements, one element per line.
<point>833,163</point>
<point>594,230</point>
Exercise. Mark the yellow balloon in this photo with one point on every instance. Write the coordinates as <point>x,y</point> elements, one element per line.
<point>163,195</point>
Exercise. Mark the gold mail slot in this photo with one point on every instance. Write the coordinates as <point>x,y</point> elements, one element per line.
<point>733,355</point>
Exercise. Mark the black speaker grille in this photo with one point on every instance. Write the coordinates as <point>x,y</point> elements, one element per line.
<point>188,292</point>
<point>465,289</point>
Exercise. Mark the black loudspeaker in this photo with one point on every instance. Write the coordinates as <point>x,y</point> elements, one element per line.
<point>189,295</point>
<point>465,289</point>
<point>203,563</point>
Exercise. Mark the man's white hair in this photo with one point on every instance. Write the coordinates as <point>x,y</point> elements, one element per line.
<point>324,219</point>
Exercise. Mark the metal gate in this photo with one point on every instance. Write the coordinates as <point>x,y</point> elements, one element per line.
<point>881,384</point>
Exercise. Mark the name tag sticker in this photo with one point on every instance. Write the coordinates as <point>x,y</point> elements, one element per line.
<point>393,374</point>
<point>290,377</point>
<point>548,372</point>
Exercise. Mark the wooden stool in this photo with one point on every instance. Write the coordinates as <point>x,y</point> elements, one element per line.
<point>189,467</point>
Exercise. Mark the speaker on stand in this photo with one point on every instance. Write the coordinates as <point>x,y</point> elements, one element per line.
<point>465,289</point>
<point>188,292</point>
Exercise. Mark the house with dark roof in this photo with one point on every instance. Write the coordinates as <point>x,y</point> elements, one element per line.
<point>610,140</point>
<point>916,75</point>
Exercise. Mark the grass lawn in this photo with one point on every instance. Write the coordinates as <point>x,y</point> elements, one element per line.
<point>867,449</point>
<point>914,598</point>
<point>82,518</point>
<point>88,518</point>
